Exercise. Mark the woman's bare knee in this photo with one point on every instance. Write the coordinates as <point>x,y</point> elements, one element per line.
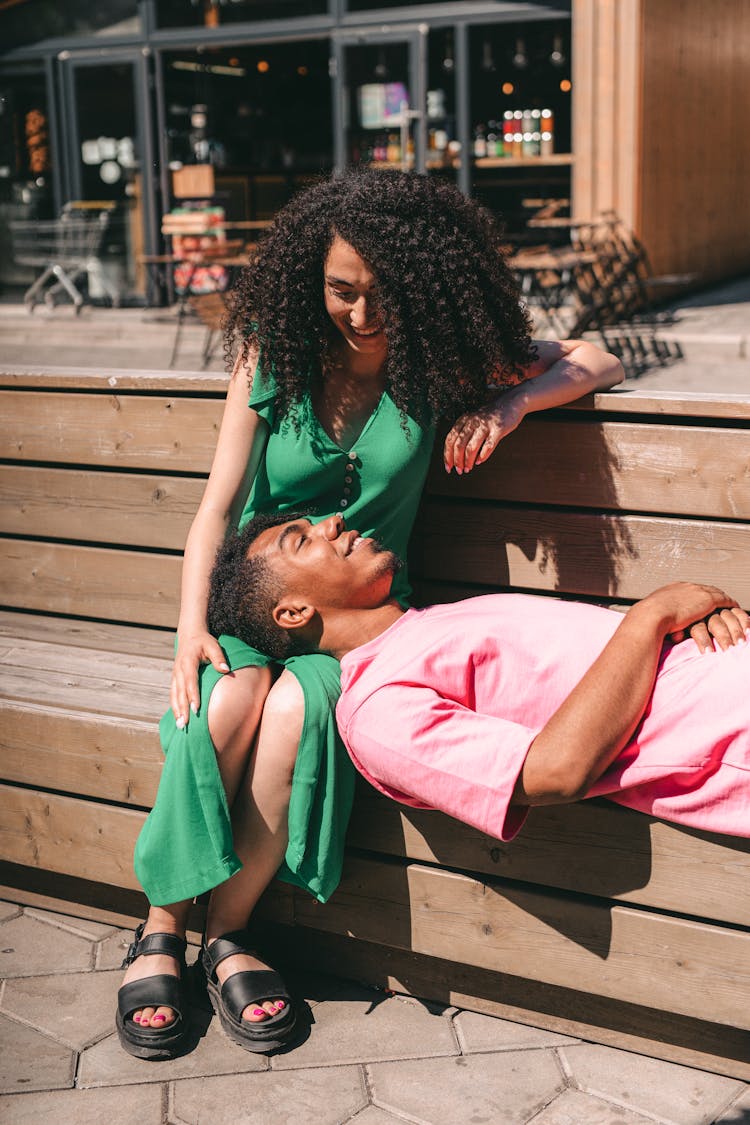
<point>235,708</point>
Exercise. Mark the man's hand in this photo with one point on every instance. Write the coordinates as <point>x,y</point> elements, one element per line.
<point>688,606</point>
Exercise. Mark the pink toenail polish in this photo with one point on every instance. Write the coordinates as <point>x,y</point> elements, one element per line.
<point>159,1018</point>
<point>136,1019</point>
<point>280,1004</point>
<point>259,1012</point>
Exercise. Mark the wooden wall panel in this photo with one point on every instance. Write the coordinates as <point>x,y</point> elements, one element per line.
<point>676,469</point>
<point>671,964</point>
<point>593,847</point>
<point>91,582</point>
<point>126,508</point>
<point>695,158</point>
<point>120,430</point>
<point>576,552</point>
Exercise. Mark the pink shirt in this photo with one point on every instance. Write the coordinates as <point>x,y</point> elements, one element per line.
<point>440,710</point>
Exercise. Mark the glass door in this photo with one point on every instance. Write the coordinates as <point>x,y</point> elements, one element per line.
<point>380,118</point>
<point>110,164</point>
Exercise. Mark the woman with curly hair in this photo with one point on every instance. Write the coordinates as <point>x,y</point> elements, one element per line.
<point>379,303</point>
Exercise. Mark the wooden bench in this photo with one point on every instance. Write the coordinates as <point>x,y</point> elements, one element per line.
<point>597,921</point>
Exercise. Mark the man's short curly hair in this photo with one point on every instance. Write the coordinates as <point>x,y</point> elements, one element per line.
<point>452,313</point>
<point>243,591</point>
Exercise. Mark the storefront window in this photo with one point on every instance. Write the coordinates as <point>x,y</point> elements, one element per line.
<point>260,115</point>
<point>443,153</point>
<point>31,21</point>
<point>216,13</point>
<point>25,163</point>
<point>520,98</point>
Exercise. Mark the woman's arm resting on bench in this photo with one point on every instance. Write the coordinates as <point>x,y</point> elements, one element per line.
<point>595,722</point>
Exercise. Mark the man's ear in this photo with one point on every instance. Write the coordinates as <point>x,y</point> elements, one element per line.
<point>291,613</point>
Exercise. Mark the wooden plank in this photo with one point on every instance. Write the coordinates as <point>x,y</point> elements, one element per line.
<point>87,634</point>
<point>91,581</point>
<point>678,404</point>
<point>72,837</point>
<point>127,508</point>
<point>683,470</point>
<point>576,552</point>
<point>125,431</point>
<point>128,686</point>
<point>108,379</point>
<point>672,964</point>
<point>594,848</point>
<point>80,753</point>
<point>630,1027</point>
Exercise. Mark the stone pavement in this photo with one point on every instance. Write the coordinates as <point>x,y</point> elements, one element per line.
<point>371,1058</point>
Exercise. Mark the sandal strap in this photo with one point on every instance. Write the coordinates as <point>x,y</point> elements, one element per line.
<point>253,987</point>
<point>164,991</point>
<point>228,945</point>
<point>168,944</point>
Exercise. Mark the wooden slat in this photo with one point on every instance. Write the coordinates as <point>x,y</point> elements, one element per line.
<point>109,379</point>
<point>86,634</point>
<point>629,1027</point>
<point>71,837</point>
<point>124,431</point>
<point>576,552</point>
<point>127,508</point>
<point>671,964</point>
<point>90,581</point>
<point>80,753</point>
<point>685,404</point>
<point>594,848</point>
<point>683,470</point>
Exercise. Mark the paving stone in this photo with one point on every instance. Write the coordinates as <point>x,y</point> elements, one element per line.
<point>360,1025</point>
<point>325,1097</point>
<point>503,1089</point>
<point>29,947</point>
<point>738,1112</point>
<point>671,1093</point>
<point>74,1008</point>
<point>30,1061</point>
<point>82,926</point>
<point>85,1107</point>
<point>107,1064</point>
<point>574,1108</point>
<point>372,1115</point>
<point>8,910</point>
<point>488,1033</point>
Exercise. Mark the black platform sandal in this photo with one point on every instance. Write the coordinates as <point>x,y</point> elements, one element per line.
<point>252,986</point>
<point>163,991</point>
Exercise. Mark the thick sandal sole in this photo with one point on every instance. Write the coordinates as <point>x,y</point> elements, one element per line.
<point>167,1047</point>
<point>251,1041</point>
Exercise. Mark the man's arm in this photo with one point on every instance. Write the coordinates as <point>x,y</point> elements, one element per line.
<point>598,718</point>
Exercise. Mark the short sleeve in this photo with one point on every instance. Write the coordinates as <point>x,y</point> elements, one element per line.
<point>263,393</point>
<point>431,752</point>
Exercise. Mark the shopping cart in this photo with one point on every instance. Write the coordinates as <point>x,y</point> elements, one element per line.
<point>65,249</point>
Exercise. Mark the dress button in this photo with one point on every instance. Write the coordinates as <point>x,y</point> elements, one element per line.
<point>343,503</point>
<point>347,480</point>
<point>347,491</point>
<point>350,468</point>
<point>353,455</point>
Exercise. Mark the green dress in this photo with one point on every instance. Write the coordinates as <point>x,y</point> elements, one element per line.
<point>185,847</point>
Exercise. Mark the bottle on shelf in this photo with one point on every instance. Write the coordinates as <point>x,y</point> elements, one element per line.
<point>547,121</point>
<point>480,142</point>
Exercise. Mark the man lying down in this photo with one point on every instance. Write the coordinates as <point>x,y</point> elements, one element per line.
<point>484,707</point>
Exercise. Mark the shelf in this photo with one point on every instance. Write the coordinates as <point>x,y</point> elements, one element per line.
<point>556,158</point>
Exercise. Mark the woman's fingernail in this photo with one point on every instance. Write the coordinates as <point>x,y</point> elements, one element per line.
<point>459,471</point>
<point>180,722</point>
<point>224,667</point>
<point>193,708</point>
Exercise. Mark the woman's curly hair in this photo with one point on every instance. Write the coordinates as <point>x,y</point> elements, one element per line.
<point>451,308</point>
